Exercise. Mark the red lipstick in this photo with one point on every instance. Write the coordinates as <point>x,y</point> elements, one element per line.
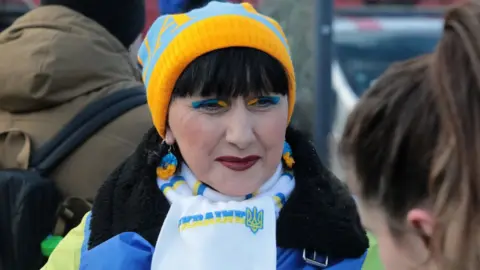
<point>237,163</point>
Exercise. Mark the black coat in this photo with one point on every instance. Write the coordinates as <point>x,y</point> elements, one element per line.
<point>320,214</point>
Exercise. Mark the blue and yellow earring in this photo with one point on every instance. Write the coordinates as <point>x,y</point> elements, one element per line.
<point>168,165</point>
<point>287,155</point>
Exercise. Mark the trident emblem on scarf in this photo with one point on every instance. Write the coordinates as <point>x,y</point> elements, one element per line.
<point>254,219</point>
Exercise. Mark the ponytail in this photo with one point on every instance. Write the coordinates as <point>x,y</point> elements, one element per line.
<point>454,181</point>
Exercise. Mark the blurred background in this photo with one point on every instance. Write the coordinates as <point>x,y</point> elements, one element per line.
<point>367,36</point>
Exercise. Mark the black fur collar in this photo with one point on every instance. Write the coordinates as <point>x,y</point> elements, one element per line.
<point>320,214</point>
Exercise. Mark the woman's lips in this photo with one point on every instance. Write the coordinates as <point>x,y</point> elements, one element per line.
<point>237,163</point>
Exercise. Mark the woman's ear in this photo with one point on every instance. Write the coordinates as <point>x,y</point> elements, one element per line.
<point>423,223</point>
<point>169,138</point>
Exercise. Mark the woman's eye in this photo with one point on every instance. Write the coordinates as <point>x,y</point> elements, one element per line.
<point>264,101</point>
<point>210,105</point>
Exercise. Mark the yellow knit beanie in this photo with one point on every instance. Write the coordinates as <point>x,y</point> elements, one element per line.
<point>174,41</point>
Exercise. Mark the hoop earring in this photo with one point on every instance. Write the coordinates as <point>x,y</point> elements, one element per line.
<point>168,165</point>
<point>287,155</point>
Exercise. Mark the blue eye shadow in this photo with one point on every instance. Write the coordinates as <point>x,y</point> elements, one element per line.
<point>207,102</point>
<point>271,99</point>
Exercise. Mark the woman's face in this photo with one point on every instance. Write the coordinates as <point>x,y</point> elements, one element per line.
<point>232,145</point>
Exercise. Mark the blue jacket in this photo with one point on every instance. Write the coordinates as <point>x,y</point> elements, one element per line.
<point>129,250</point>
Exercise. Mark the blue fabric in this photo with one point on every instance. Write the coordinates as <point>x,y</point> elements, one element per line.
<point>167,7</point>
<point>129,250</point>
<point>125,251</point>
<point>349,264</point>
<point>170,6</point>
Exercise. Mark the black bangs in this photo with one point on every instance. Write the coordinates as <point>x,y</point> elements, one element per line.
<point>232,72</point>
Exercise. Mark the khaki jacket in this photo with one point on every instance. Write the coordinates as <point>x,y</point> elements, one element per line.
<point>53,62</point>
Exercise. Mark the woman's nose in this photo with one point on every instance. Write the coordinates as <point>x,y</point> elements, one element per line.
<point>240,127</point>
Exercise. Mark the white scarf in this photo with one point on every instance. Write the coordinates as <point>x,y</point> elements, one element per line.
<point>206,230</point>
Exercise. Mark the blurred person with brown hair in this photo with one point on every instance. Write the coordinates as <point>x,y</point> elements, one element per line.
<point>412,150</point>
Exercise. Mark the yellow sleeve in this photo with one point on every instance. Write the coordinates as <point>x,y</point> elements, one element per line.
<point>66,256</point>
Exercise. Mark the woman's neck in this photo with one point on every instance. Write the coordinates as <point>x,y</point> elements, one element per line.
<point>192,181</point>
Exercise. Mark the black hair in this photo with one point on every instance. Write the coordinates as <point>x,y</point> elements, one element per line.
<point>232,72</point>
